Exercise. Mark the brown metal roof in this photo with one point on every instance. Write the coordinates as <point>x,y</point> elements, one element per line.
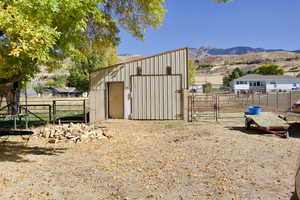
<point>139,59</point>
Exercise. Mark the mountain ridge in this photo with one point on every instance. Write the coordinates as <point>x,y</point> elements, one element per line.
<point>238,50</point>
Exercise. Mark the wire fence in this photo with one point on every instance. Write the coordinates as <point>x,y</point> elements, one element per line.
<point>222,106</point>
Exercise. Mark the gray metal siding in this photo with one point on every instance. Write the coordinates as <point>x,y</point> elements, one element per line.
<point>156,97</point>
<point>154,65</point>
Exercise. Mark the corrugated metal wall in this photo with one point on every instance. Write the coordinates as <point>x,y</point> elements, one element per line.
<point>156,97</point>
<point>153,65</point>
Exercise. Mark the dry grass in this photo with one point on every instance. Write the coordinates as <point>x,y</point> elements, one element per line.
<point>153,160</point>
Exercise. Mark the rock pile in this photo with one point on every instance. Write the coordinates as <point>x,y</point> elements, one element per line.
<point>71,133</point>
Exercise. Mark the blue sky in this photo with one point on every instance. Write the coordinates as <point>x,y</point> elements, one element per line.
<point>195,23</point>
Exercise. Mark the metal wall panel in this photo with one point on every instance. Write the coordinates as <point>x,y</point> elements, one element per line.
<point>158,98</point>
<point>153,65</point>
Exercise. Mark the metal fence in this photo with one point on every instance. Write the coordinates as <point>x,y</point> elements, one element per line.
<point>222,106</point>
<point>45,111</point>
<point>64,111</point>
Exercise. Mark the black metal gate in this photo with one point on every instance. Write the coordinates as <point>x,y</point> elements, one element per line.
<point>202,107</point>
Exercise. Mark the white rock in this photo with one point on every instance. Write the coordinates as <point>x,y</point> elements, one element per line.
<point>84,137</point>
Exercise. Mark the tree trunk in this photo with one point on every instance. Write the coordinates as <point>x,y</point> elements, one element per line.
<point>10,89</point>
<point>1,99</point>
<point>13,101</point>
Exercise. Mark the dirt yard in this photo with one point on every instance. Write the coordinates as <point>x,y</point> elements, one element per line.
<point>153,160</point>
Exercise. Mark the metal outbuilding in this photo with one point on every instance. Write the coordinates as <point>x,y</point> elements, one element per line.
<point>149,88</point>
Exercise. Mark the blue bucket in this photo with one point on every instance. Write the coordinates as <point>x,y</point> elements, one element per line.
<point>254,110</point>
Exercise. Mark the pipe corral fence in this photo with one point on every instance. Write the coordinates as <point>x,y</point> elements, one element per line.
<point>226,106</point>
<point>40,111</point>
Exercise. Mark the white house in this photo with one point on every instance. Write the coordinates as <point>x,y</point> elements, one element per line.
<point>265,84</point>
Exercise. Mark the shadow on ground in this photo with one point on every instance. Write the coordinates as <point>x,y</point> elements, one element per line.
<point>15,151</point>
<point>294,130</point>
<point>21,124</point>
<point>74,118</point>
<point>246,131</point>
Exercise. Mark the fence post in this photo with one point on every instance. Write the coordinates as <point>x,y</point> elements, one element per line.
<point>49,113</point>
<point>193,106</point>
<point>54,111</point>
<point>248,99</point>
<point>216,107</point>
<point>252,98</point>
<point>291,103</point>
<point>189,109</point>
<point>15,122</point>
<point>85,118</point>
<point>259,99</point>
<point>267,99</point>
<point>276,101</point>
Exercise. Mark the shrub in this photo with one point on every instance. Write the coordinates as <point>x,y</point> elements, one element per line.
<point>207,87</point>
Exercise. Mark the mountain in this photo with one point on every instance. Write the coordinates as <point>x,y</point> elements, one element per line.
<point>207,50</point>
<point>212,68</point>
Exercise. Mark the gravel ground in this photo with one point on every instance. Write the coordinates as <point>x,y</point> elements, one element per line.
<point>153,160</point>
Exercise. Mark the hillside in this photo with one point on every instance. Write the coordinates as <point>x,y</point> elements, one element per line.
<point>45,77</point>
<point>222,62</point>
<point>208,50</point>
<point>220,65</point>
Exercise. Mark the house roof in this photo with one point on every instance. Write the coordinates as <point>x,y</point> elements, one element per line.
<point>30,92</point>
<point>258,77</point>
<point>64,90</point>
<point>139,59</point>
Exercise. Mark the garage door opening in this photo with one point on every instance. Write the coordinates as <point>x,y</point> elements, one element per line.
<point>115,100</point>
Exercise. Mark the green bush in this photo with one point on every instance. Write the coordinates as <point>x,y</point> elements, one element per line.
<point>206,65</point>
<point>207,88</point>
<point>236,73</point>
<point>269,69</point>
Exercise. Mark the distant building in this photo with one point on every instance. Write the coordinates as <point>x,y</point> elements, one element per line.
<point>255,83</point>
<point>63,92</point>
<point>30,92</point>
<point>196,89</point>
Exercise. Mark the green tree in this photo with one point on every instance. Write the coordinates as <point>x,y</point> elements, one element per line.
<point>236,73</point>
<point>269,69</point>
<point>39,88</point>
<point>46,31</point>
<point>79,71</point>
<point>192,71</point>
<point>207,87</point>
<point>57,81</point>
